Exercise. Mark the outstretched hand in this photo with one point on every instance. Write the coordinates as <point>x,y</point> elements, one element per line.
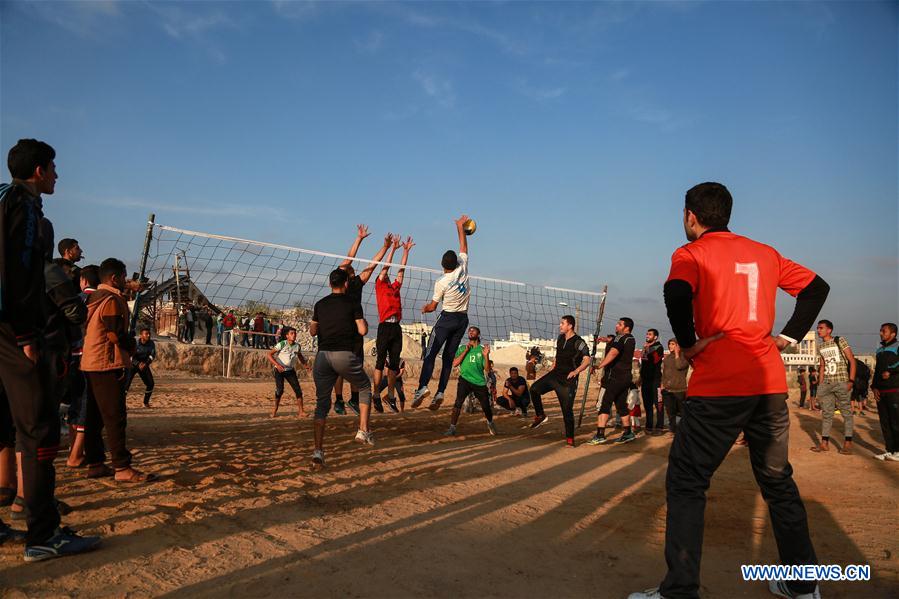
<point>460,222</point>
<point>397,242</point>
<point>388,240</point>
<point>699,347</point>
<point>363,231</point>
<point>409,244</point>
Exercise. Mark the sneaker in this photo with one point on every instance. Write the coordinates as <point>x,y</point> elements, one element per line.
<point>10,534</point>
<point>365,437</point>
<point>451,431</point>
<point>647,594</point>
<point>569,442</point>
<point>626,438</point>
<point>339,408</point>
<point>377,405</point>
<point>597,440</point>
<point>539,421</point>
<point>893,457</point>
<point>492,428</point>
<point>420,396</point>
<point>391,403</point>
<point>435,403</point>
<point>354,405</point>
<point>318,459</point>
<point>63,542</point>
<point>882,456</point>
<point>779,588</point>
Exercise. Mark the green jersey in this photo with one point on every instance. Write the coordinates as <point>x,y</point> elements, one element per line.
<point>472,367</point>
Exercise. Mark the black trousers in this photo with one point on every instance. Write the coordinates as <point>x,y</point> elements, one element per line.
<point>803,392</point>
<point>34,413</point>
<point>654,414</point>
<point>465,388</point>
<point>106,409</point>
<point>888,411</point>
<point>291,377</point>
<point>550,382</point>
<point>146,376</point>
<point>706,433</point>
<point>674,406</point>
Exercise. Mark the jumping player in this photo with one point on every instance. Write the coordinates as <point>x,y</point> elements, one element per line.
<point>282,357</point>
<point>338,322</point>
<point>572,358</point>
<point>722,288</point>
<point>389,342</point>
<point>452,289</point>
<point>354,292</point>
<point>473,361</point>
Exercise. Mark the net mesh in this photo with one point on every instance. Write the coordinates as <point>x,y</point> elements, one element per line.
<point>249,276</point>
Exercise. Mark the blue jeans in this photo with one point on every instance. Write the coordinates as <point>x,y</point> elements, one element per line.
<point>449,330</point>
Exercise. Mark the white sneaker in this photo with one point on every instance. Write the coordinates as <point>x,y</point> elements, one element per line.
<point>492,428</point>
<point>882,456</point>
<point>318,459</point>
<point>779,588</point>
<point>435,403</point>
<point>647,594</point>
<point>893,457</point>
<point>420,396</point>
<point>365,437</point>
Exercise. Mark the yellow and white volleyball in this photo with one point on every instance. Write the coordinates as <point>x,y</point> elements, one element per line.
<point>470,226</point>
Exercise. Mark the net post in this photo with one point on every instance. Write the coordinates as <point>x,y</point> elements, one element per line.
<point>596,333</point>
<point>223,351</point>
<point>230,353</point>
<point>151,220</point>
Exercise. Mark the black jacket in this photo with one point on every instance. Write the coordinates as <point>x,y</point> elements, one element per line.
<point>22,249</point>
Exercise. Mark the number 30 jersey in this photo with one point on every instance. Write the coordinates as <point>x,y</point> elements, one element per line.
<point>734,281</point>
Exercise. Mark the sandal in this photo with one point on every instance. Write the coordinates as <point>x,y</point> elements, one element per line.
<point>7,496</point>
<point>100,471</point>
<point>137,477</point>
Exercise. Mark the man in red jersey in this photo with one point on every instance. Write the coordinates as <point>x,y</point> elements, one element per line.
<point>389,342</point>
<point>722,289</point>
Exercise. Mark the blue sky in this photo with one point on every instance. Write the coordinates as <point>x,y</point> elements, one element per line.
<point>570,131</point>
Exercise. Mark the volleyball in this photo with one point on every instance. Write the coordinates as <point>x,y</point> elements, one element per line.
<point>470,226</point>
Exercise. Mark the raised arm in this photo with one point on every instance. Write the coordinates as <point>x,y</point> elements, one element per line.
<point>463,238</point>
<point>365,275</point>
<point>386,268</point>
<point>407,247</point>
<point>362,234</point>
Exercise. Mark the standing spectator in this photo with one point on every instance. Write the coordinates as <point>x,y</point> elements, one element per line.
<point>859,395</point>
<point>258,327</point>
<point>651,378</point>
<point>71,253</point>
<point>108,347</point>
<point>491,382</point>
<point>190,319</point>
<point>229,323</point>
<point>802,379</point>
<point>181,324</point>
<point>530,367</point>
<point>812,388</point>
<point>208,323</point>
<point>144,354</point>
<point>837,364</point>
<point>674,383</point>
<point>245,331</point>
<point>219,328</point>
<point>30,407</point>
<point>886,390</point>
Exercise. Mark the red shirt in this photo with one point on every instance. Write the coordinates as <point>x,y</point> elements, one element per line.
<point>735,281</point>
<point>389,301</point>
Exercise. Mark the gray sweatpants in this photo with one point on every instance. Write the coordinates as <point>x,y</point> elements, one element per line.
<point>831,395</point>
<point>332,364</point>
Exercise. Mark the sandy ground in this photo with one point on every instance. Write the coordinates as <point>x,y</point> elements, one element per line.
<point>238,513</point>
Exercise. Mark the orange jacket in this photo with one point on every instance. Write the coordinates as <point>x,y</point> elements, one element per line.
<point>107,343</point>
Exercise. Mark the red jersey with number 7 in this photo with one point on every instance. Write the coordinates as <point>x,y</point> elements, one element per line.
<point>735,281</point>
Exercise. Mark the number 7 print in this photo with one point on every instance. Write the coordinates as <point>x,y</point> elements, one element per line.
<point>751,270</point>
